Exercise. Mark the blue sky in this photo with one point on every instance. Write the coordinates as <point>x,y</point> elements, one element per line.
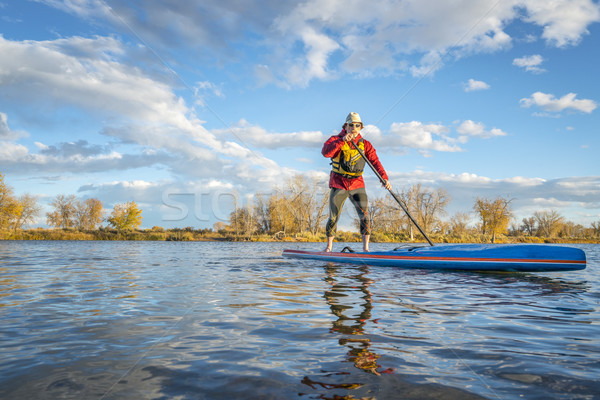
<point>184,106</point>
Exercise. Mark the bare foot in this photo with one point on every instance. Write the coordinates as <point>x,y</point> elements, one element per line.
<point>365,243</point>
<point>328,250</point>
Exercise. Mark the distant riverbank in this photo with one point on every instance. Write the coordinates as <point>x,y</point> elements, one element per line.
<point>189,234</point>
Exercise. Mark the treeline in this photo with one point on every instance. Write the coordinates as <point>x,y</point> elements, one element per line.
<point>107,233</point>
<point>88,214</point>
<point>300,207</point>
<point>297,210</point>
<point>68,212</point>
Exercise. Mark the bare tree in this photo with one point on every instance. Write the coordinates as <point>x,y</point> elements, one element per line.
<point>386,216</point>
<point>307,201</point>
<point>376,213</point>
<point>548,222</point>
<point>64,212</point>
<point>319,199</point>
<point>88,213</point>
<point>529,225</point>
<point>261,213</point>
<point>243,221</point>
<point>596,228</point>
<point>425,205</point>
<point>459,223</point>
<point>299,206</point>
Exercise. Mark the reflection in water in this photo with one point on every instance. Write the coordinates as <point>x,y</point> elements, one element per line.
<point>537,284</point>
<point>351,302</point>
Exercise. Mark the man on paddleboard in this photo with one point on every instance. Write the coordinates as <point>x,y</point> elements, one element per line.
<point>346,179</point>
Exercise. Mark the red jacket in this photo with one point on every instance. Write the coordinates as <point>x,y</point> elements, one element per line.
<point>333,146</point>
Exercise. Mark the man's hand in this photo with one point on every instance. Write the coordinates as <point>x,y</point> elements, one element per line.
<point>386,184</point>
<point>349,137</point>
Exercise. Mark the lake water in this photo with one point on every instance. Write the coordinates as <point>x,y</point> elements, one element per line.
<point>198,320</point>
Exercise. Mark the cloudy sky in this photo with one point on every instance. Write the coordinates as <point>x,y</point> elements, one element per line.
<point>184,106</point>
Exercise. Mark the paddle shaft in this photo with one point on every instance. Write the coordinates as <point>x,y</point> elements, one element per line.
<point>392,193</point>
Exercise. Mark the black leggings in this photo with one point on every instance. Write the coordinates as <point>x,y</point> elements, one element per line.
<point>358,197</point>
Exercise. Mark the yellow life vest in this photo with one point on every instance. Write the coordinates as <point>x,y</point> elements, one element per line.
<point>349,163</point>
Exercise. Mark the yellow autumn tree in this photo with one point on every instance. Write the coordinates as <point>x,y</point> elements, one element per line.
<point>126,216</point>
<point>8,204</point>
<point>16,211</point>
<point>26,211</point>
<point>495,215</point>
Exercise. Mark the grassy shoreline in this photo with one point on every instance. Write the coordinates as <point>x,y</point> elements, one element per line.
<point>189,235</point>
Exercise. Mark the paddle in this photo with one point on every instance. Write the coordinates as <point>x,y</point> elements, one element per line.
<point>392,193</point>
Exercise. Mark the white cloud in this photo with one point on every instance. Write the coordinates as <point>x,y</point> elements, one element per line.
<point>207,27</point>
<point>474,85</point>
<point>431,62</point>
<point>563,22</point>
<point>142,110</point>
<point>81,73</point>
<point>466,178</point>
<point>204,89</point>
<point>548,102</point>
<point>524,181</point>
<point>74,158</point>
<point>530,63</point>
<point>365,58</point>
<point>397,32</point>
<point>470,128</point>
<point>11,152</point>
<point>5,132</point>
<point>141,191</point>
<point>297,41</point>
<point>424,137</point>
<point>4,129</point>
<point>418,35</point>
<point>318,49</point>
<point>427,137</point>
<point>259,137</point>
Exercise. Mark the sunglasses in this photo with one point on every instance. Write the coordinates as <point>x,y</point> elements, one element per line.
<point>354,125</point>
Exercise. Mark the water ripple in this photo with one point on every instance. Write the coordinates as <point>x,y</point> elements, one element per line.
<point>116,320</point>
